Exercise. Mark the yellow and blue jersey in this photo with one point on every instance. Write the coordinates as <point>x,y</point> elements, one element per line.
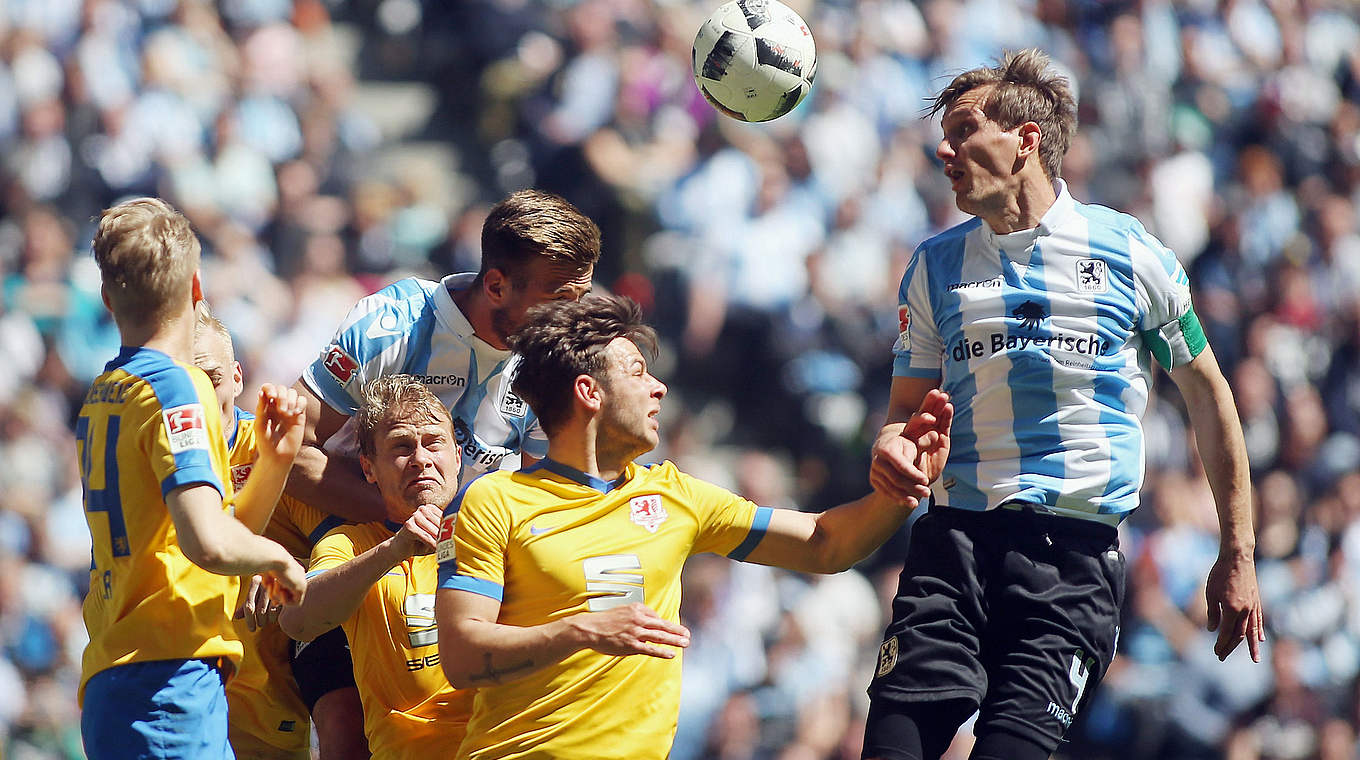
<point>148,426</point>
<point>263,698</point>
<point>410,710</point>
<point>549,542</point>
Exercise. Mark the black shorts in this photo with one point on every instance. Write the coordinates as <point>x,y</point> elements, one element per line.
<point>1016,611</point>
<point>322,665</point>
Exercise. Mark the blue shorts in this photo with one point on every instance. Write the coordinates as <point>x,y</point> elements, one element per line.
<point>161,709</point>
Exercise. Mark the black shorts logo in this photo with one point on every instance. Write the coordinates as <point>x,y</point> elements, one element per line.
<point>887,657</point>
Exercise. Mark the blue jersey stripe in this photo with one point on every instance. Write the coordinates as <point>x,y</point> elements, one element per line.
<point>759,524</point>
<point>173,387</point>
<point>960,471</point>
<point>449,578</point>
<point>1039,439</point>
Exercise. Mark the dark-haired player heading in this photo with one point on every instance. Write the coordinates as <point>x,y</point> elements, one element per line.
<point>559,593</point>
<point>1037,316</point>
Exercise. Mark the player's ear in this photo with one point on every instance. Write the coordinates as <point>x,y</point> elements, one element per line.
<point>1030,137</point>
<point>367,467</point>
<point>104,295</point>
<point>588,392</point>
<point>238,379</point>
<point>496,285</point>
<point>197,287</point>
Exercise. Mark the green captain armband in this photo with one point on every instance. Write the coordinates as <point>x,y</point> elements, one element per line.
<point>1178,342</point>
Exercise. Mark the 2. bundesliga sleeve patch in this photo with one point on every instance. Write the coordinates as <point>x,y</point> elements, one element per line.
<point>341,365</point>
<point>444,550</point>
<point>186,427</point>
<point>904,328</point>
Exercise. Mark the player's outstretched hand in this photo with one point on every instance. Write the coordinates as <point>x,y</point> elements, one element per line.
<point>908,458</point>
<point>930,428</point>
<point>1235,609</point>
<point>280,414</point>
<point>631,629</point>
<point>287,585</point>
<point>420,533</point>
<point>258,610</point>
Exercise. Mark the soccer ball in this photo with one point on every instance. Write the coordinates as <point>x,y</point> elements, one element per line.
<point>754,59</point>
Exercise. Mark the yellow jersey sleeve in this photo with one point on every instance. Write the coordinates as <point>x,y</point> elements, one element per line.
<point>479,524</point>
<point>728,523</point>
<point>333,550</point>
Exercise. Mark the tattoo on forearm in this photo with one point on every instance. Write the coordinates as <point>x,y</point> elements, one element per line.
<point>494,674</point>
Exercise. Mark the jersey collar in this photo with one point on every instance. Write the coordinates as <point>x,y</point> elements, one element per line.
<point>453,318</point>
<point>1055,217</point>
<point>576,476</point>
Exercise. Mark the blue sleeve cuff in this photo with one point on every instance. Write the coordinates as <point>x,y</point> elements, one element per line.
<point>315,573</point>
<point>448,578</point>
<point>758,527</point>
<point>189,476</point>
<point>902,368</point>
<point>330,391</point>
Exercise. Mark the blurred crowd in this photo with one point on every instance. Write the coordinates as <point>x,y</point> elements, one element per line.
<point>768,256</point>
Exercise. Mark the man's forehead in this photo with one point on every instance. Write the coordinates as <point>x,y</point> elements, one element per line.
<point>625,351</point>
<point>560,274</point>
<point>969,103</point>
<point>407,427</point>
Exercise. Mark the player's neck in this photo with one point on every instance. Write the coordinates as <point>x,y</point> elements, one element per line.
<point>477,311</point>
<point>1024,209</point>
<point>580,449</point>
<point>173,336</point>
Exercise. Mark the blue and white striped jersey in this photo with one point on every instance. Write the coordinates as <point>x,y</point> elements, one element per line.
<point>413,326</point>
<point>1042,339</point>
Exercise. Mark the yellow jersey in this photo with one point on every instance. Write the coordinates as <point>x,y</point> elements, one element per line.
<point>550,541</point>
<point>150,425</point>
<point>263,699</point>
<point>410,710</point>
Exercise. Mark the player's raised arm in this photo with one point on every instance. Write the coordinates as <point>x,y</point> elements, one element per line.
<point>329,480</point>
<point>338,587</point>
<point>836,539</point>
<point>279,419</point>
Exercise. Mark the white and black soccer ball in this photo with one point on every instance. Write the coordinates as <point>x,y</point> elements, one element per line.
<point>754,59</point>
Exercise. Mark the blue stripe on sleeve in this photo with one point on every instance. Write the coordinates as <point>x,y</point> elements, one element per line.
<point>759,524</point>
<point>449,578</point>
<point>457,503</point>
<point>312,574</point>
<point>173,387</point>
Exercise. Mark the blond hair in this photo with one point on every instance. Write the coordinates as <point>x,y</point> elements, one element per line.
<point>1023,87</point>
<point>390,399</point>
<point>205,324</point>
<point>147,255</point>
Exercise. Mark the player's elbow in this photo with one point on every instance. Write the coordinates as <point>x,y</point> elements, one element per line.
<point>457,659</point>
<point>294,622</point>
<point>209,554</point>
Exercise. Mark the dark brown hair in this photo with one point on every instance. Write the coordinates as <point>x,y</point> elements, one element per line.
<point>1023,87</point>
<point>532,223</point>
<point>562,340</point>
<point>390,399</point>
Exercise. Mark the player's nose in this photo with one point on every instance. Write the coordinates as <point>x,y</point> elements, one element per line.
<point>944,151</point>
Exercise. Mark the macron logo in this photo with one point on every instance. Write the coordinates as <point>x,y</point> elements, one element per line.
<point>383,327</point>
